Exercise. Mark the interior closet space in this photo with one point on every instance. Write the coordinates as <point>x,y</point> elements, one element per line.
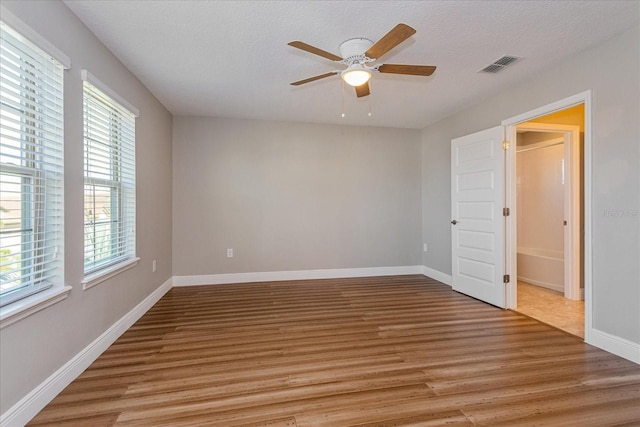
<point>540,209</point>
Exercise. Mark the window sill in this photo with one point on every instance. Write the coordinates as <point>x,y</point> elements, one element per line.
<point>20,309</point>
<point>95,278</point>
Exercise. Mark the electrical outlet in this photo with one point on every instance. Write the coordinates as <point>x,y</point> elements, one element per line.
<point>424,247</point>
<point>153,266</point>
<point>230,253</point>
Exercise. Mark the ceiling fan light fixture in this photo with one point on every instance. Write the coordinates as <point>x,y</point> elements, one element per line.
<point>356,75</point>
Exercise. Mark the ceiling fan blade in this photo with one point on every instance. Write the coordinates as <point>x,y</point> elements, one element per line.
<point>314,50</point>
<point>393,38</point>
<point>362,90</point>
<point>314,78</point>
<point>413,70</point>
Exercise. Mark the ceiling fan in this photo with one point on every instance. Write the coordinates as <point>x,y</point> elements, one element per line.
<point>357,53</point>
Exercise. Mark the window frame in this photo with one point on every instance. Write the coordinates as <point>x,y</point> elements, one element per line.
<point>33,136</point>
<point>121,190</point>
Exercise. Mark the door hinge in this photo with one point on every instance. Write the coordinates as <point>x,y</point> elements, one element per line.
<point>505,145</point>
<point>505,212</point>
<point>506,278</point>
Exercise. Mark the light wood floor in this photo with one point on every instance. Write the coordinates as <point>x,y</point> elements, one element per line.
<point>551,307</point>
<point>386,351</point>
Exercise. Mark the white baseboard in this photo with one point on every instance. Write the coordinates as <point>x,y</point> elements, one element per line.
<point>616,345</point>
<point>435,274</point>
<point>553,286</point>
<point>270,276</point>
<point>29,406</point>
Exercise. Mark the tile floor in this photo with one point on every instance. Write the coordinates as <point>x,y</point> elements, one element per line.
<point>551,307</point>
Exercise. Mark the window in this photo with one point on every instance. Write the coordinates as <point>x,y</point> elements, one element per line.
<point>109,181</point>
<point>31,168</point>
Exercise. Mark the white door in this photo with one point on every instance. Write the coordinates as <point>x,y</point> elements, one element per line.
<point>477,223</point>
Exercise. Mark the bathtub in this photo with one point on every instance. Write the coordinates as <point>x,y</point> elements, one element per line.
<point>541,267</point>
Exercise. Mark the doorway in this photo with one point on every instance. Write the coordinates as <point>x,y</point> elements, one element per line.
<point>560,295</point>
<point>549,217</point>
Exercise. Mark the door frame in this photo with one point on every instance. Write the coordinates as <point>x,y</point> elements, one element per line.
<point>571,207</point>
<point>510,198</point>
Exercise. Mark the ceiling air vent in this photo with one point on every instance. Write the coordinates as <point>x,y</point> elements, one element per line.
<point>500,63</point>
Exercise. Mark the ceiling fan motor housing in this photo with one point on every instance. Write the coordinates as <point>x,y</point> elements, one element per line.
<point>353,50</point>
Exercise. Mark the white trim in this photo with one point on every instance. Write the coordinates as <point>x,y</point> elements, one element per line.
<point>93,279</point>
<point>87,76</point>
<point>27,32</point>
<point>437,275</point>
<point>542,144</point>
<point>29,406</point>
<point>588,208</point>
<point>270,276</point>
<point>616,345</point>
<point>20,309</point>
<point>553,286</point>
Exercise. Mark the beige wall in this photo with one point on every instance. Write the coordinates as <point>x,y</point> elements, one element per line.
<point>540,196</point>
<point>34,348</point>
<point>612,71</point>
<point>569,116</point>
<point>289,196</point>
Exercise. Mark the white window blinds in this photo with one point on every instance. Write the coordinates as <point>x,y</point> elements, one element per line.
<point>109,181</point>
<point>31,168</point>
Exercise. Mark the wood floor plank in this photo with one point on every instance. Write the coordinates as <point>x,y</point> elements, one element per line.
<point>378,351</point>
<point>439,419</point>
<point>243,411</point>
<point>589,401</point>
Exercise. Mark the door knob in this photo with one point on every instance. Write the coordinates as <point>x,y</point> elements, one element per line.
<point>454,222</point>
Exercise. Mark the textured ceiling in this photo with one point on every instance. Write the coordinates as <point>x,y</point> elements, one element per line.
<point>231,59</point>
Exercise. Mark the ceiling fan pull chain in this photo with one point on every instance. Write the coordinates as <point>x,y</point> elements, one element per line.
<point>343,114</point>
<point>369,99</point>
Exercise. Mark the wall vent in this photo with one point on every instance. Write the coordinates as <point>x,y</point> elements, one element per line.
<point>500,63</point>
